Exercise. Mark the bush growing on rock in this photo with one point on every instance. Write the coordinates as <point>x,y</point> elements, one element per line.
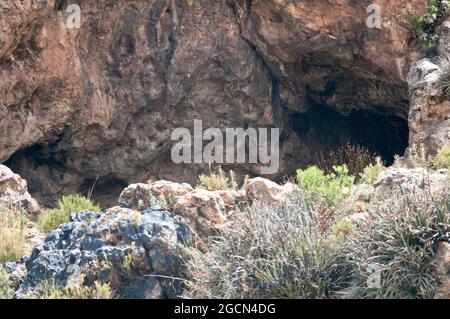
<point>332,187</point>
<point>442,158</point>
<point>417,156</point>
<point>68,205</point>
<point>12,237</point>
<point>371,172</point>
<point>218,180</point>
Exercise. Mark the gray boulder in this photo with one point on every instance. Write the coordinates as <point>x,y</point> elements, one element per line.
<point>137,253</point>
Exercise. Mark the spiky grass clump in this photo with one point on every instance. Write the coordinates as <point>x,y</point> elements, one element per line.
<point>268,252</point>
<point>66,206</point>
<point>12,236</point>
<point>444,79</point>
<point>399,239</point>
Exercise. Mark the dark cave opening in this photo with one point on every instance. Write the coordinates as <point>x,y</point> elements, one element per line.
<point>103,190</point>
<point>324,129</point>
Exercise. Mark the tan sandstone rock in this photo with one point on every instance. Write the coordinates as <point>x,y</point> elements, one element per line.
<point>268,192</point>
<point>14,192</point>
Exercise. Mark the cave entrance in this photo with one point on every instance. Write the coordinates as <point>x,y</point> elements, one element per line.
<point>103,190</point>
<point>47,169</point>
<point>322,129</point>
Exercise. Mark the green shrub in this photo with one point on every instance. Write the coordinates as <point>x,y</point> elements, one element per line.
<point>399,238</point>
<point>442,158</point>
<point>332,188</point>
<point>6,291</point>
<point>267,252</point>
<point>425,25</point>
<point>66,206</point>
<point>218,180</point>
<point>372,171</point>
<point>12,237</point>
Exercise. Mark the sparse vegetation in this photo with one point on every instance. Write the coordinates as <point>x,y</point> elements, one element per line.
<point>218,180</point>
<point>332,188</point>
<point>372,171</point>
<point>355,157</point>
<point>67,205</point>
<point>442,158</point>
<point>12,237</point>
<point>75,290</point>
<point>6,291</point>
<point>284,252</point>
<point>417,156</point>
<point>425,25</point>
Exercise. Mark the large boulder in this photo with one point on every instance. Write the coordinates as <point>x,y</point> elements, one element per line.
<point>135,252</point>
<point>412,181</point>
<point>265,191</point>
<point>14,192</point>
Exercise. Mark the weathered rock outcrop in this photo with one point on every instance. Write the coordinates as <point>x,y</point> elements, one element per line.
<point>96,105</point>
<point>206,211</point>
<point>14,192</point>
<point>98,245</point>
<point>429,116</point>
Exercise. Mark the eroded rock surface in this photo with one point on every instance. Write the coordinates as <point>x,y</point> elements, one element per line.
<point>14,192</point>
<point>98,245</point>
<point>429,116</point>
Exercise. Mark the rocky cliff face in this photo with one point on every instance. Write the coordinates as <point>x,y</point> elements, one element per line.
<point>102,100</point>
